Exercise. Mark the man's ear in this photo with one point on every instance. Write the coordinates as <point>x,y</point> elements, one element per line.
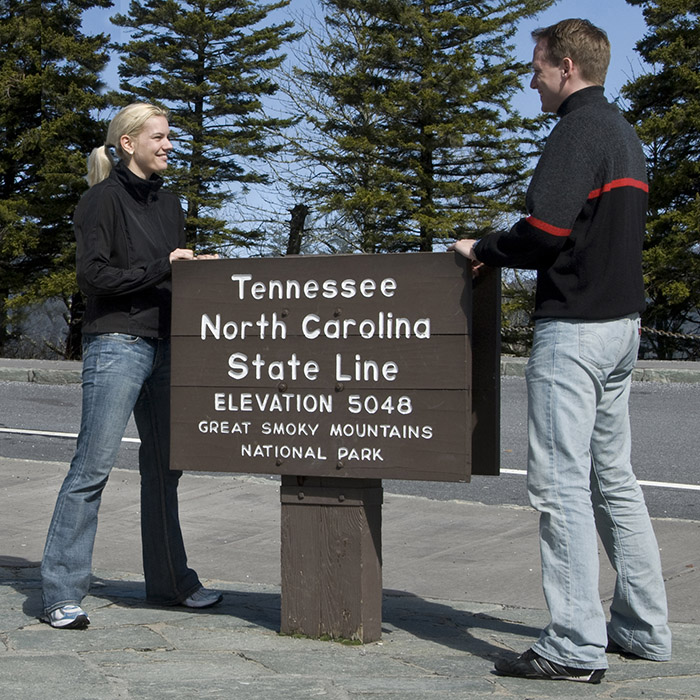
<point>567,66</point>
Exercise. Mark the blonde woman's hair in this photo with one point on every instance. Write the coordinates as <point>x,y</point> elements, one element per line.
<point>584,43</point>
<point>128,121</point>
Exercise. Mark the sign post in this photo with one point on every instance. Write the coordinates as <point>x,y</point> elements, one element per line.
<point>335,372</point>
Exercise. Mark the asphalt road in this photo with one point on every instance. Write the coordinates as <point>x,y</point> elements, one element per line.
<point>665,425</point>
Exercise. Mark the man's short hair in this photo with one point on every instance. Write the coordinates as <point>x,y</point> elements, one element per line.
<point>584,43</point>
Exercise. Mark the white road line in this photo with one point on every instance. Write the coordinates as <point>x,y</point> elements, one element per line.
<point>49,433</point>
<point>657,484</point>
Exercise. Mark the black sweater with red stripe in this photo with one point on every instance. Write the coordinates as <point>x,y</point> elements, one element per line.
<point>587,206</point>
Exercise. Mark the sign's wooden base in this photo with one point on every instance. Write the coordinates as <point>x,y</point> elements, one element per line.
<point>332,557</point>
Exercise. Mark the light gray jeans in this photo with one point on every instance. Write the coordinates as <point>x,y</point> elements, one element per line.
<point>580,479</point>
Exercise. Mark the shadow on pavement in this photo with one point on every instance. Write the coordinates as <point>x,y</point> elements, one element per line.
<point>461,630</point>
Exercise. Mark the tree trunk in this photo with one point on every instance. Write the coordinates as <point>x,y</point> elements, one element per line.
<point>296,228</point>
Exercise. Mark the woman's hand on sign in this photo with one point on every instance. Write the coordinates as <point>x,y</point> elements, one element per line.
<point>181,254</point>
<point>187,254</point>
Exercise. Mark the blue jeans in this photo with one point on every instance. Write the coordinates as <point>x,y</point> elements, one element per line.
<point>121,374</point>
<point>580,479</point>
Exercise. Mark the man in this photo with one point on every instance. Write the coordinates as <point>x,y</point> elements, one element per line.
<point>586,202</point>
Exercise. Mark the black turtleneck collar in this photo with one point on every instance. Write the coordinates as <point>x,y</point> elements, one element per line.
<point>141,190</point>
<point>582,97</point>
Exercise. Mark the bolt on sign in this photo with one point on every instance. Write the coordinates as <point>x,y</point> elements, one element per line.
<point>343,366</point>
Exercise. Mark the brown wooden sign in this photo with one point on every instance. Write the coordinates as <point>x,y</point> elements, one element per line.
<point>344,366</point>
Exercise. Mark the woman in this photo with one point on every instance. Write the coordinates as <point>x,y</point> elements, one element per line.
<point>128,232</point>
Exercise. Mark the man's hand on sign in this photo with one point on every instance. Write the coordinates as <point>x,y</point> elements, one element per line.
<point>465,247</point>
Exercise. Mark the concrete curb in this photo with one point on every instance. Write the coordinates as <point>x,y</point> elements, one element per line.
<point>646,370</point>
<point>66,372</point>
<point>40,376</point>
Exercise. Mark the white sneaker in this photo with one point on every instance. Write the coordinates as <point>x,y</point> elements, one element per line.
<point>67,617</point>
<point>203,598</point>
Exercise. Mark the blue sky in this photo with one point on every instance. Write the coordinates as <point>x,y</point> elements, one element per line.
<point>623,23</point>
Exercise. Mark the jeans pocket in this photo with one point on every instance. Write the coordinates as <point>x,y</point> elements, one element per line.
<point>598,345</point>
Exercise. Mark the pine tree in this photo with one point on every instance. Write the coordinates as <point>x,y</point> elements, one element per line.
<point>20,120</point>
<point>208,62</point>
<point>49,82</point>
<point>412,138</point>
<point>665,106</point>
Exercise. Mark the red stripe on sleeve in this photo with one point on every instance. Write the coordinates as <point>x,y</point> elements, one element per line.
<point>622,182</point>
<point>547,228</point>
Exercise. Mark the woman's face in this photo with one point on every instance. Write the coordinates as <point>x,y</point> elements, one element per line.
<point>148,152</point>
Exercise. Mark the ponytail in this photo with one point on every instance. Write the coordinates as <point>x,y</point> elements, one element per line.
<point>99,165</point>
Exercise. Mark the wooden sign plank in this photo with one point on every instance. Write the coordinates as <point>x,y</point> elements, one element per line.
<point>265,365</point>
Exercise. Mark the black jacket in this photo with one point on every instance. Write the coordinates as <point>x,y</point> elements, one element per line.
<point>126,228</point>
<point>587,206</point>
